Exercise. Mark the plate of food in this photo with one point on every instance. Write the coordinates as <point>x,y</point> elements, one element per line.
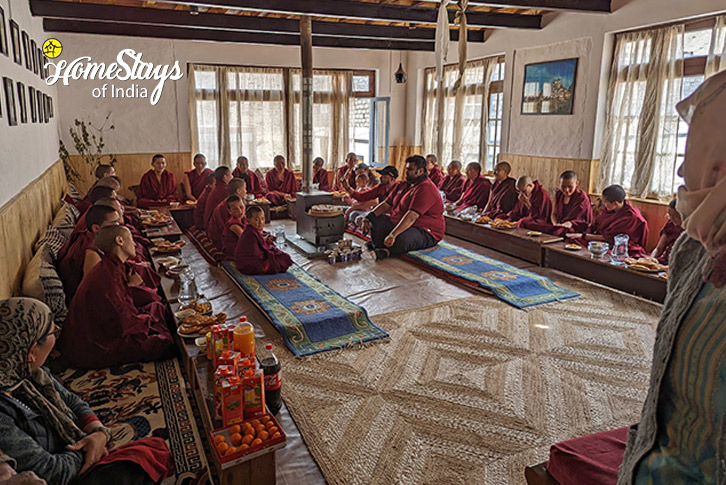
<point>201,306</point>
<point>167,247</point>
<point>534,233</point>
<point>325,210</point>
<point>645,265</point>
<point>261,200</point>
<point>502,224</point>
<point>195,326</point>
<point>573,247</point>
<point>339,193</point>
<point>484,220</point>
<point>156,220</point>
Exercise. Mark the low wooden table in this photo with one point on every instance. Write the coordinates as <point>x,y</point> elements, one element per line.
<point>171,231</point>
<point>514,242</point>
<point>580,263</point>
<point>183,215</point>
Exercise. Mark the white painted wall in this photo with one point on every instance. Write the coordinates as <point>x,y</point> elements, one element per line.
<point>590,35</point>
<point>27,149</point>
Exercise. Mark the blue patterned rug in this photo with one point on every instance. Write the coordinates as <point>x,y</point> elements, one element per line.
<point>310,316</point>
<point>513,285</point>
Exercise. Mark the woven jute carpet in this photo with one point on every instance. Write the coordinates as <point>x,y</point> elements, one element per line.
<point>472,390</point>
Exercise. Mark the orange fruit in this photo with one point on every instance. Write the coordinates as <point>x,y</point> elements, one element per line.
<point>256,442</point>
<point>243,446</point>
<point>219,439</point>
<point>249,431</point>
<point>263,435</point>
<point>235,429</point>
<point>248,438</point>
<point>270,424</point>
<point>259,428</point>
<point>246,426</point>
<point>254,422</point>
<point>266,419</point>
<point>273,430</point>
<point>276,435</point>
<point>222,447</point>
<point>230,451</point>
<point>236,439</point>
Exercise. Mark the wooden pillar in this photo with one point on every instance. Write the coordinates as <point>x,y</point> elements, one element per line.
<point>306,45</point>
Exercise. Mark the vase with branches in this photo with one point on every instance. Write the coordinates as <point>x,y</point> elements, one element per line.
<point>88,143</point>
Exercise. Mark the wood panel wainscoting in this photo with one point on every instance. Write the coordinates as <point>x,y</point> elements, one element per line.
<point>22,221</point>
<point>547,169</point>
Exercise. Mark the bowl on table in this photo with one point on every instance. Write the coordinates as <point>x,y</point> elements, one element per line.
<point>450,207</point>
<point>598,248</point>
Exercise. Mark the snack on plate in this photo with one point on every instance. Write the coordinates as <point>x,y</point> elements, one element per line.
<point>534,233</point>
<point>339,193</point>
<point>191,202</point>
<point>645,264</point>
<point>157,219</point>
<point>573,247</point>
<point>200,323</point>
<point>261,200</point>
<point>165,246</point>
<point>198,306</point>
<point>325,210</point>
<point>484,220</point>
<point>502,224</point>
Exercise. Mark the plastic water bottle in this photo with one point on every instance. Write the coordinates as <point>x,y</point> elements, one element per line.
<point>187,287</point>
<point>273,379</point>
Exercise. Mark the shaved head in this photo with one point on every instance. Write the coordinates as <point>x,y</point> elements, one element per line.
<point>100,215</point>
<point>614,193</point>
<point>221,172</point>
<point>100,192</point>
<point>110,182</point>
<point>568,175</point>
<point>104,171</point>
<point>524,181</point>
<point>504,166</point>
<point>107,238</point>
<point>235,184</point>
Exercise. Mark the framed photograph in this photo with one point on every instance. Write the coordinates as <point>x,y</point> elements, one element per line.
<point>41,111</point>
<point>549,87</point>
<point>41,63</point>
<point>26,51</point>
<point>3,34</point>
<point>34,54</point>
<point>9,88</point>
<point>50,107</point>
<point>33,109</point>
<point>46,108</point>
<point>22,103</point>
<point>15,38</point>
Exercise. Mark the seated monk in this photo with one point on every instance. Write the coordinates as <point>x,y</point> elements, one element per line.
<point>476,188</point>
<point>102,171</point>
<point>217,223</point>
<point>157,186</point>
<point>433,170</point>
<point>234,226</point>
<point>453,184</point>
<point>94,195</point>
<point>254,254</point>
<point>360,207</point>
<point>504,192</point>
<point>346,172</point>
<point>218,193</point>
<point>104,327</point>
<point>142,243</point>
<point>242,171</point>
<point>320,175</point>
<point>388,185</point>
<point>196,180</point>
<point>202,203</point>
<point>416,218</point>
<point>534,202</point>
<point>281,183</point>
<point>572,210</point>
<point>669,234</point>
<point>617,217</point>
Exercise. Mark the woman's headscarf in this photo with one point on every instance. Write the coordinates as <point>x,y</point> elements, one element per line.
<point>24,321</point>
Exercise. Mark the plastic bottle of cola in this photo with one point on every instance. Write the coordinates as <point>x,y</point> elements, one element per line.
<point>273,379</point>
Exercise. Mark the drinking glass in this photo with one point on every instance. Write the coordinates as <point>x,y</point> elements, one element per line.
<point>280,236</point>
<point>620,248</point>
<point>187,287</point>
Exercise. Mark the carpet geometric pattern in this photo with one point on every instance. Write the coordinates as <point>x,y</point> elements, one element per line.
<point>473,390</point>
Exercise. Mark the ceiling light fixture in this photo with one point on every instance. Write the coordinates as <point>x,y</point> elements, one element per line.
<point>193,10</point>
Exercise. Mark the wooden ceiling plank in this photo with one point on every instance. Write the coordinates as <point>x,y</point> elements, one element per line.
<point>597,6</point>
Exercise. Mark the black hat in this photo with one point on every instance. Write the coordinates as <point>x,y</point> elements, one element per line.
<point>389,170</point>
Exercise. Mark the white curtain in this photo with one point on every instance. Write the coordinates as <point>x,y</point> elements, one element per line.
<point>205,115</point>
<point>716,61</point>
<point>642,124</point>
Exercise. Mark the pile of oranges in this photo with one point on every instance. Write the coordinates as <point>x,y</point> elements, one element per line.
<point>247,435</point>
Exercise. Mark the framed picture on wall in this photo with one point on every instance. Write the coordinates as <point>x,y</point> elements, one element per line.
<point>26,52</point>
<point>9,88</point>
<point>31,98</point>
<point>46,107</point>
<point>41,64</point>
<point>34,54</point>
<point>15,38</point>
<point>50,107</point>
<point>41,113</point>
<point>3,34</point>
<point>22,103</point>
<point>549,87</point>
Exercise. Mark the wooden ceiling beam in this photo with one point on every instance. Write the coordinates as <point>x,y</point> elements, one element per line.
<point>373,11</point>
<point>165,32</point>
<point>594,6</point>
<point>182,18</point>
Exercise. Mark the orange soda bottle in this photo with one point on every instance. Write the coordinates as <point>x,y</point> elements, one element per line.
<point>244,339</point>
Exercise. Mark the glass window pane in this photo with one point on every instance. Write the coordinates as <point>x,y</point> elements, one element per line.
<point>696,43</point>
<point>361,84</point>
<point>205,79</point>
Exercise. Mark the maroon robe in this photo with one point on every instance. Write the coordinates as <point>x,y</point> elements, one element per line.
<point>321,178</point>
<point>340,174</point>
<point>671,233</point>
<point>229,238</point>
<point>216,195</point>
<point>152,192</point>
<point>627,220</point>
<point>453,187</point>
<point>254,255</point>
<point>288,185</point>
<point>437,176</point>
<point>541,209</point>
<point>217,223</point>
<point>198,182</point>
<point>578,211</point>
<point>104,327</point>
<point>476,193</point>
<point>503,198</point>
<point>201,206</point>
<point>254,186</point>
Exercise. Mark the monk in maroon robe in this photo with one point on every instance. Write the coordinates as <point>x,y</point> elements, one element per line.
<point>618,216</point>
<point>346,172</point>
<point>476,188</point>
<point>217,223</point>
<point>453,184</point>
<point>504,192</point>
<point>281,183</point>
<point>669,234</point>
<point>94,195</point>
<point>572,210</point>
<point>218,193</point>
<point>102,171</point>
<point>141,242</point>
<point>157,186</point>
<point>534,201</point>
<point>196,179</point>
<point>104,327</point>
<point>434,172</point>
<point>320,175</point>
<point>202,204</point>
<point>254,254</point>
<point>233,226</point>
<point>254,184</point>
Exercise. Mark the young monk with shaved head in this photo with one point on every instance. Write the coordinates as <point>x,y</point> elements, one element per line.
<point>534,201</point>
<point>242,171</point>
<point>476,188</point>
<point>233,227</point>
<point>104,326</point>
<point>254,254</point>
<point>572,211</point>
<point>281,183</point>
<point>504,192</point>
<point>453,184</point>
<point>222,176</point>
<point>158,185</point>
<point>218,221</point>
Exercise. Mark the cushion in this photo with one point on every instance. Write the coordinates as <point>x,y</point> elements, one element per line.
<point>72,193</point>
<point>41,281</point>
<point>53,239</point>
<point>593,459</point>
<point>31,279</point>
<point>65,220</point>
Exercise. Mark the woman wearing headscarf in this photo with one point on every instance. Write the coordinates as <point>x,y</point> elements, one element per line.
<point>681,437</point>
<point>49,430</point>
